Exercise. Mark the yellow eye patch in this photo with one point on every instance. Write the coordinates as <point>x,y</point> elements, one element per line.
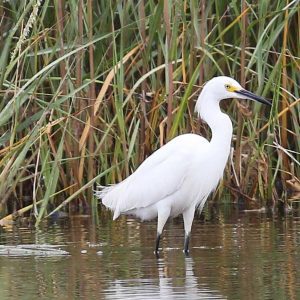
<point>230,88</point>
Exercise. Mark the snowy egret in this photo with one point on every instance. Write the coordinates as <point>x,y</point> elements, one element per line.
<point>178,178</point>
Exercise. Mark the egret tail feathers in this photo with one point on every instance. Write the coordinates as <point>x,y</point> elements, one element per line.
<point>108,196</point>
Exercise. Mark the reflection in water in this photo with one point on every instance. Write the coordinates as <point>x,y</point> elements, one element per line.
<point>235,257</point>
<point>185,287</point>
<point>189,290</point>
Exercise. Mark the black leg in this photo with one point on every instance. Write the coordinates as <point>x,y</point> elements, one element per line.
<point>186,243</point>
<point>157,243</point>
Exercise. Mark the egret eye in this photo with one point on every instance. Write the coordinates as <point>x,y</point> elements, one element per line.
<point>227,86</point>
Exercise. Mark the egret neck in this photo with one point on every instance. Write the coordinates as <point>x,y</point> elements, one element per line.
<point>219,123</point>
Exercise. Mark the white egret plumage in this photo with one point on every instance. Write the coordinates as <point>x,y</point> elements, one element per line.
<point>178,178</point>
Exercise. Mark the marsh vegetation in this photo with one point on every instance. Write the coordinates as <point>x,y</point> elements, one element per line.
<point>90,88</point>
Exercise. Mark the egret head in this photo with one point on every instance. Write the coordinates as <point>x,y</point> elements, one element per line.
<point>223,87</point>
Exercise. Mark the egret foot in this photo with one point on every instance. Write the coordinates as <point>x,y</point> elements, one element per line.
<point>186,244</point>
<point>157,244</point>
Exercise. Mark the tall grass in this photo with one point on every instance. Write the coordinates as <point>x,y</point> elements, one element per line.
<point>76,78</point>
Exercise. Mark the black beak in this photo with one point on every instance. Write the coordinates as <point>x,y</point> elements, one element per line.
<point>252,96</point>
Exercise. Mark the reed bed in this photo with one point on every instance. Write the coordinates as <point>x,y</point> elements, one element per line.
<point>90,88</point>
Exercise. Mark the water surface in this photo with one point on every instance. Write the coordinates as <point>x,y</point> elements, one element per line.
<point>236,256</point>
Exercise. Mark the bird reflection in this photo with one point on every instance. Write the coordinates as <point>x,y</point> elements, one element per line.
<point>175,278</point>
<point>186,287</point>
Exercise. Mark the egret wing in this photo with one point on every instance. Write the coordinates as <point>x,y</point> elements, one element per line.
<point>159,176</point>
<point>150,185</point>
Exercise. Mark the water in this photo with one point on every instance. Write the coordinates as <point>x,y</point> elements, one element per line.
<point>237,256</point>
